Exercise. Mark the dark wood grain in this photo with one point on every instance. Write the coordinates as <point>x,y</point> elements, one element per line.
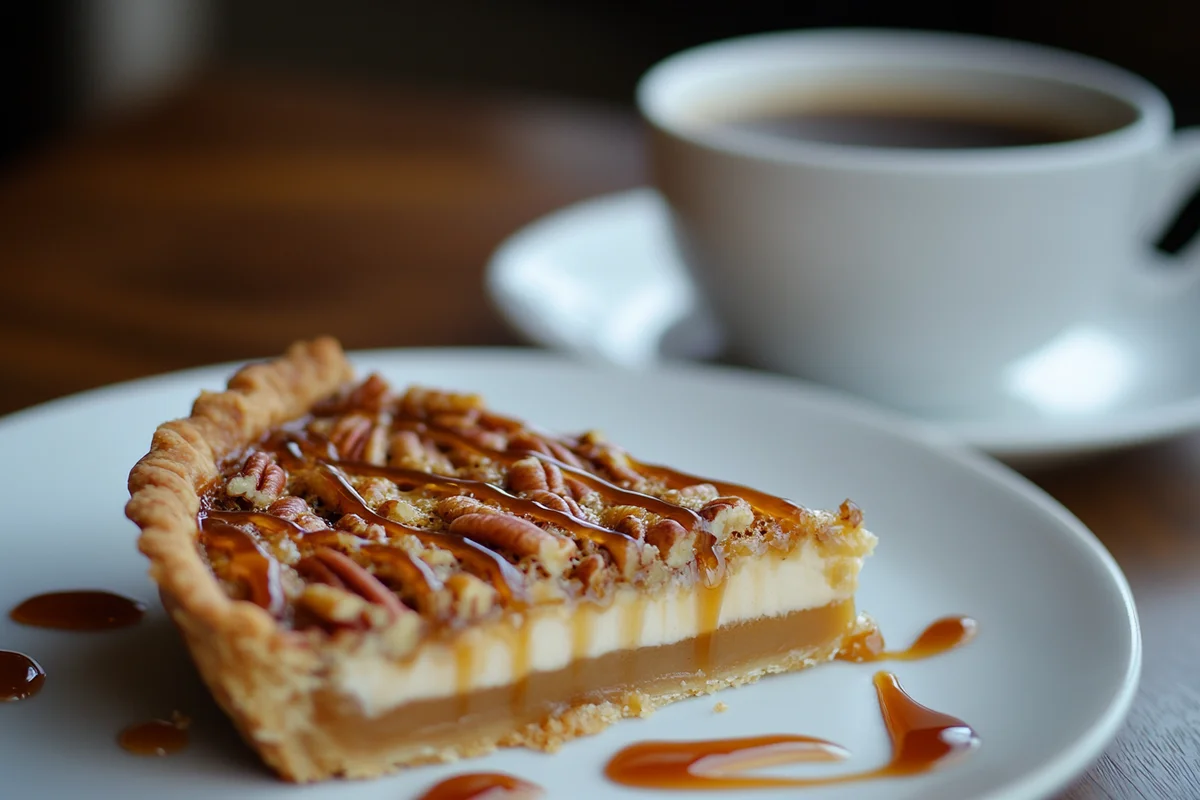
<point>240,215</point>
<point>236,216</point>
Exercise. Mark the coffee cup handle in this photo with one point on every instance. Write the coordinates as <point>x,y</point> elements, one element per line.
<point>1176,177</point>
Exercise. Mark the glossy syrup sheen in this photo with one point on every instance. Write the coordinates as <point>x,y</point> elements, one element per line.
<point>483,786</point>
<point>297,447</point>
<point>922,740</point>
<point>20,676</point>
<point>87,610</point>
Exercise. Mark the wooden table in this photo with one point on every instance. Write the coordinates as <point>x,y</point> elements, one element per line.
<point>238,215</point>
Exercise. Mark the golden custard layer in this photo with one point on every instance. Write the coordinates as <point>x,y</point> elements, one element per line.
<point>359,553</point>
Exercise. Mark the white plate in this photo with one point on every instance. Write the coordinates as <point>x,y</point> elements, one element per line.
<point>1046,683</point>
<point>601,279</point>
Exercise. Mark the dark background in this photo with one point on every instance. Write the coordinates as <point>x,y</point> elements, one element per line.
<point>578,48</point>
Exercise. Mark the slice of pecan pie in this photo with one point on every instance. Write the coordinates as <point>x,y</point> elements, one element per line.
<point>369,578</point>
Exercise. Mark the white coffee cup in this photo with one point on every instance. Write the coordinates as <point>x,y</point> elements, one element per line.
<point>914,276</point>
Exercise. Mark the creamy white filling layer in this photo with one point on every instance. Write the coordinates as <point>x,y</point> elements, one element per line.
<point>502,653</point>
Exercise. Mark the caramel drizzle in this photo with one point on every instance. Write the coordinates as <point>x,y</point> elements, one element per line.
<point>609,491</point>
<point>480,490</point>
<point>267,523</point>
<point>247,563</point>
<point>475,557</point>
<point>297,446</point>
<point>760,501</point>
<point>942,635</point>
<point>671,478</point>
<point>412,572</point>
<point>710,559</point>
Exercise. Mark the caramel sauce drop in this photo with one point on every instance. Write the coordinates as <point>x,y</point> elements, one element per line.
<point>716,763</point>
<point>79,611</point>
<point>483,786</point>
<point>944,634</point>
<point>158,737</point>
<point>20,676</point>
<point>922,740</point>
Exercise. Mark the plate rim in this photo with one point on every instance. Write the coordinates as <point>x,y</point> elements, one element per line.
<point>1070,762</point>
<point>1024,437</point>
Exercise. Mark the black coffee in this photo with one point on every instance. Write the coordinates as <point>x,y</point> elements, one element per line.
<point>915,129</point>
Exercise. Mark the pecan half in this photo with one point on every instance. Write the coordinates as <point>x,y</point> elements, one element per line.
<point>675,545</point>
<point>451,508</point>
<point>527,441</point>
<point>260,480</point>
<point>532,474</point>
<point>296,510</point>
<point>517,536</point>
<point>349,436</point>
<point>419,401</point>
<point>488,440</point>
<point>355,524</point>
<point>335,608</point>
<point>578,489</point>
<point>563,453</point>
<point>563,503</point>
<point>359,581</point>
<point>615,462</point>
<point>407,449</point>
<point>372,395</point>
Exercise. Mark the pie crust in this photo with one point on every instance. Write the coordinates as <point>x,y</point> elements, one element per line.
<point>369,579</point>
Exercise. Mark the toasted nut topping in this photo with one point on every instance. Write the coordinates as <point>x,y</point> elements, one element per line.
<point>527,441</point>
<point>850,515</point>
<point>727,515</point>
<point>674,543</point>
<point>420,401</point>
<point>532,474</point>
<point>400,510</point>
<point>313,569</point>
<point>339,608</point>
<point>593,573</point>
<point>563,453</point>
<point>578,489</point>
<point>260,480</point>
<point>693,497</point>
<point>297,511</point>
<point>517,536</point>
<point>355,524</point>
<point>350,436</point>
<point>451,508</point>
<point>409,451</point>
<point>562,503</point>
<point>616,463</point>
<point>359,581</point>
<point>372,395</point>
<point>289,507</point>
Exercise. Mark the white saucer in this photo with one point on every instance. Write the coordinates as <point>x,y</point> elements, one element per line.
<point>601,280</point>
<point>1046,683</point>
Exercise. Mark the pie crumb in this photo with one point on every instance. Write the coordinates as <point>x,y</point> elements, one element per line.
<point>719,707</point>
